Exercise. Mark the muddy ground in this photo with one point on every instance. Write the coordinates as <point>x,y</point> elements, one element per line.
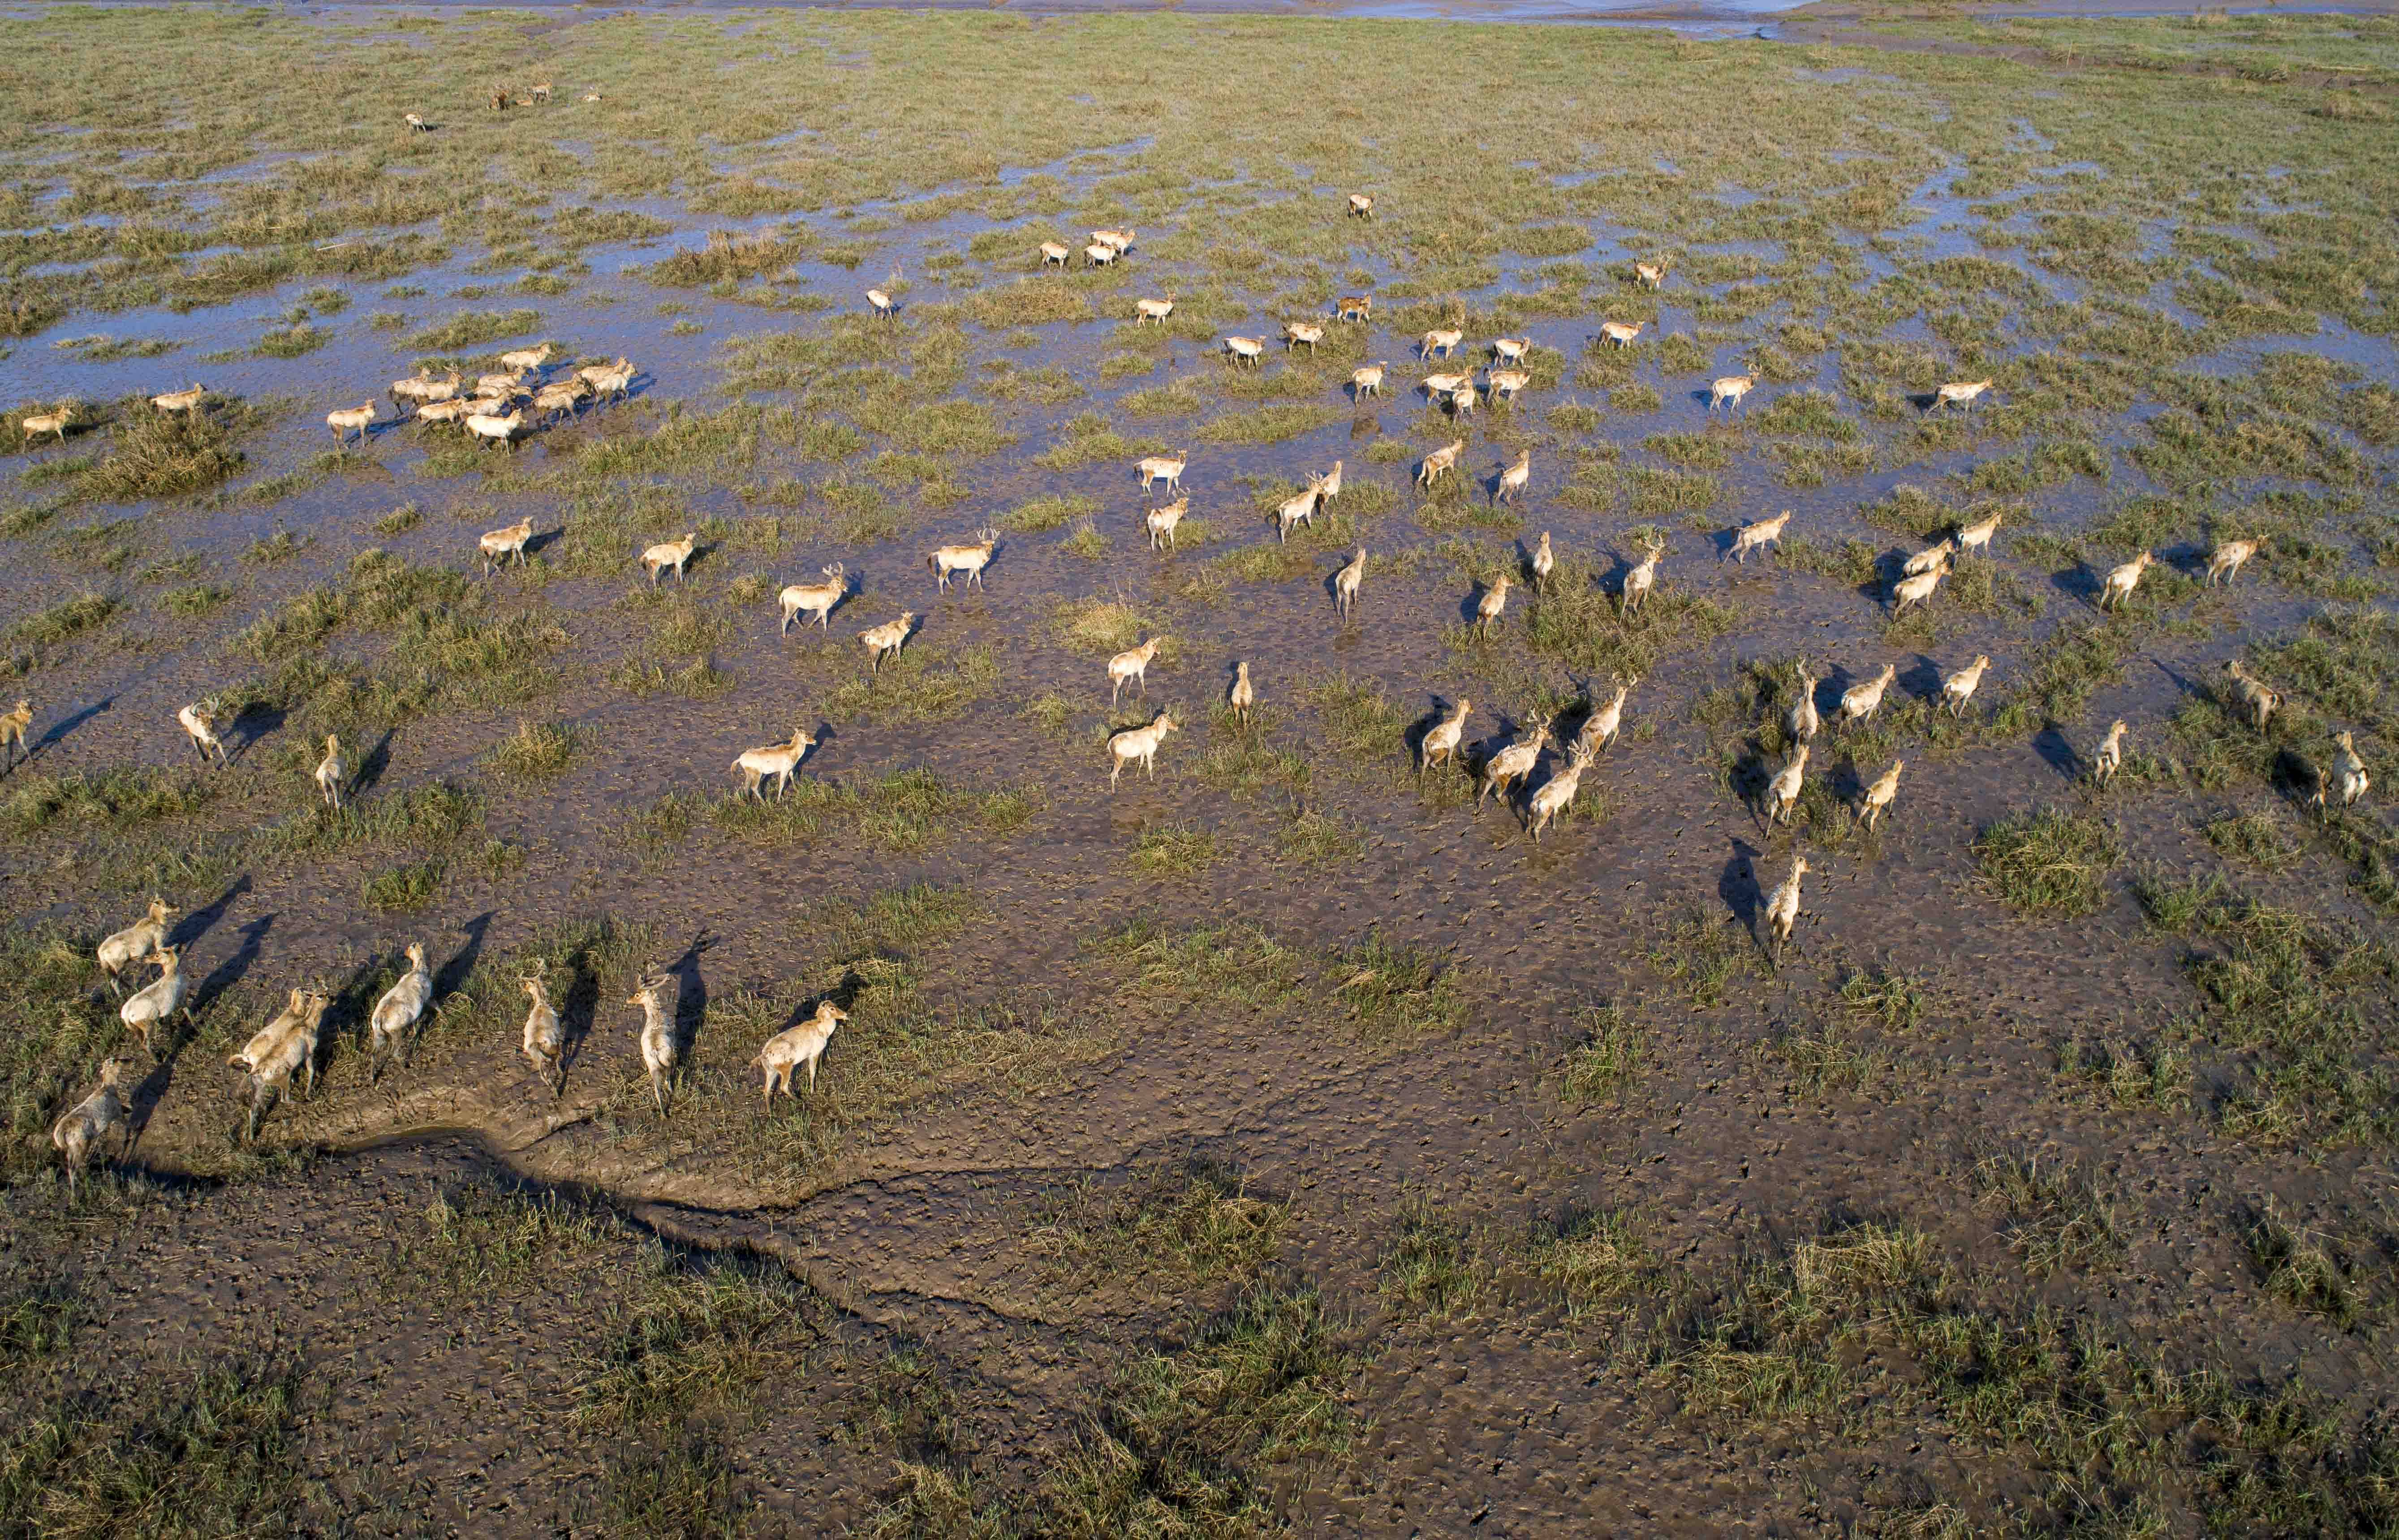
<point>1287,1142</point>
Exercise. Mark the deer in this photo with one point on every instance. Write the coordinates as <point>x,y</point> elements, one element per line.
<point>1977,536</point>
<point>1782,791</point>
<point>1435,387</point>
<point>1328,486</point>
<point>1750,537</point>
<point>2349,770</point>
<point>200,725</point>
<point>775,762</point>
<point>416,124</point>
<point>1354,307</point>
<point>2110,757</point>
<point>1131,664</point>
<point>881,305</point>
<point>1494,601</point>
<point>1510,351</point>
<point>1801,721</point>
<point>1501,384</point>
<point>1860,702</point>
<point>1052,253</point>
<point>1439,461</point>
<point>1243,695</point>
<point>286,1047</point>
<point>2224,562</point>
<point>560,400</point>
<point>1600,729</point>
<point>491,428</point>
<point>1345,585</point>
<point>539,90</point>
<point>398,1011</point>
<point>1160,522</point>
<point>1121,240</point>
<point>1293,512</point>
<point>1959,688</point>
<point>2262,699</point>
<point>1153,310</point>
<point>1555,796</point>
<point>944,560</point>
<point>545,1036</point>
<point>90,1121</point>
<point>1440,341</point>
<point>1296,333</point>
<point>1362,206</point>
<point>816,601</point>
<point>497,547</point>
<point>502,384</point>
<point>1367,380</point>
<point>1877,797</point>
<point>454,410</point>
<point>1239,348</point>
<point>1929,558</point>
<point>1506,769</point>
<point>804,1044</point>
<point>1514,480</point>
<point>1650,276</point>
<point>884,641</point>
<point>1959,394</point>
<point>660,1053</point>
<point>2118,590</point>
<point>1462,400</point>
<point>135,943</point>
<point>529,360</point>
<point>1139,743</point>
<point>1909,592</point>
<point>673,556</point>
<point>46,422</point>
<point>13,726</point>
<point>1162,467</point>
<point>158,1000</point>
<point>1728,391</point>
<point>1621,334</point>
<point>422,390</point>
<point>186,402</point>
<point>1442,739</point>
<point>1100,254</point>
<point>611,385</point>
<point>1544,562</point>
<point>1783,908</point>
<point>1640,580</point>
<point>591,374</point>
<point>332,773</point>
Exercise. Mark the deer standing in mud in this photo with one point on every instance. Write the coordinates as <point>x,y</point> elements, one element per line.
<point>2260,699</point>
<point>1344,584</point>
<point>1959,394</point>
<point>87,1125</point>
<point>158,1001</point>
<point>1599,731</point>
<point>1139,743</point>
<point>1757,536</point>
<point>1555,796</point>
<point>1160,522</point>
<point>1367,380</point>
<point>498,547</point>
<point>200,726</point>
<point>1959,687</point>
<point>884,641</point>
<point>1652,276</point>
<point>661,1051</point>
<point>816,600</point>
<point>1440,740</point>
<point>2224,562</point>
<point>1494,601</point>
<point>1729,391</point>
<point>793,1047</point>
<point>2118,590</point>
<point>1783,908</point>
<point>775,762</point>
<point>1507,768</point>
<point>2110,757</point>
<point>1640,580</point>
<point>1153,310</point>
<point>1860,702</point>
<point>944,561</point>
<point>1801,721</point>
<point>1782,791</point>
<point>1131,664</point>
<point>1162,467</point>
<point>670,556</point>
<point>14,723</point>
<point>1544,562</point>
<point>2349,771</point>
<point>332,773</point>
<point>1877,797</point>
<point>135,943</point>
<point>1438,462</point>
<point>1513,481</point>
<point>397,1013</point>
<point>1621,334</point>
<point>545,1037</point>
<point>1242,695</point>
<point>1976,537</point>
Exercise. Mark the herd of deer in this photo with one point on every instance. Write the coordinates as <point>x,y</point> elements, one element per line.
<point>494,410</point>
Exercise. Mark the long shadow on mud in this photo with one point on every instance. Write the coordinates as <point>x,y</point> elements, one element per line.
<point>199,921</point>
<point>225,975</point>
<point>2058,754</point>
<point>691,992</point>
<point>61,729</point>
<point>371,764</point>
<point>152,1087</point>
<point>1737,884</point>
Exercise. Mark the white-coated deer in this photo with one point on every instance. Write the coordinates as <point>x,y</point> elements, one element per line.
<point>1801,721</point>
<point>396,1013</point>
<point>545,1036</point>
<point>1959,394</point>
<point>1442,739</point>
<point>817,601</point>
<point>670,556</point>
<point>1649,274</point>
<point>1553,797</point>
<point>2349,771</point>
<point>945,561</point>
<point>421,390</point>
<point>661,1050</point>
<point>444,411</point>
<point>1437,386</point>
<point>1729,390</point>
<point>1328,486</point>
<point>359,419</point>
<point>1494,601</point>
<point>491,428</point>
<point>2118,590</point>
<point>1621,334</point>
<point>1054,254</point>
<point>560,399</point>
<point>1514,480</point>
<point>2110,757</point>
<point>1462,400</point>
<point>416,123</point>
<point>1505,770</point>
<point>499,546</point>
<point>1243,695</point>
<point>1362,205</point>
<point>1120,241</point>
<point>1877,797</point>
<point>1750,537</point>
<point>1860,702</point>
<point>286,1047</point>
<point>159,999</point>
<point>1782,791</point>
<point>200,725</point>
<point>1141,744</point>
<point>331,773</point>
<point>2262,701</point>
<point>1293,512</point>
<point>1600,729</point>
<point>529,360</point>
<point>1641,579</point>
<point>591,374</point>
<point>1439,461</point>
<point>46,422</point>
<point>1296,333</point>
<point>1908,592</point>
<point>1544,562</point>
<point>1959,687</point>
<point>1160,522</point>
<point>87,1125</point>
<point>1345,585</point>
<point>884,641</point>
<point>882,304</point>
<point>2224,562</point>
<point>185,401</point>
<point>1783,908</point>
<point>1131,664</point>
<point>1929,558</point>
<point>1153,310</point>
<point>1440,341</point>
<point>14,724</point>
<point>793,1047</point>
<point>1254,349</point>
<point>1510,351</point>
<point>1100,254</point>
<point>1162,467</point>
<point>1367,380</point>
<point>1501,384</point>
<point>134,944</point>
<point>775,762</point>
<point>1976,537</point>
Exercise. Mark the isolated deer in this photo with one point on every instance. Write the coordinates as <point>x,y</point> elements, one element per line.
<point>804,1044</point>
<point>1439,461</point>
<point>1641,579</point>
<point>416,124</point>
<point>1243,695</point>
<point>1131,664</point>
<point>1649,274</point>
<point>135,943</point>
<point>1237,349</point>
<point>1344,584</point>
<point>200,726</point>
<point>1782,791</point>
<point>660,1053</point>
<point>1801,721</point>
<point>1750,537</point>
<point>1354,307</point>
<point>332,773</point>
<point>1506,769</point>
<point>1976,537</point>
<point>2110,757</point>
<point>87,1125</point>
<point>1367,380</point>
<point>1728,391</point>
<point>498,547</point>
<point>1139,743</point>
<point>1860,702</point>
<point>1162,467</point>
<point>2120,583</point>
<point>1929,558</point>
<point>1959,687</point>
<point>2224,562</point>
<point>185,401</point>
<point>1908,592</point>
<point>1440,341</point>
<point>1296,333</point>
<point>2349,770</point>
<point>1600,729</point>
<point>1362,205</point>
<point>880,301</point>
<point>1514,480</point>
<point>884,641</point>
<point>775,762</point>
<point>1501,384</point>
<point>1621,334</point>
<point>46,422</point>
<point>396,1013</point>
<point>816,601</point>
<point>670,556</point>
<point>1161,521</point>
<point>1052,253</point>
<point>1959,394</point>
<point>944,560</point>
<point>158,1000</point>
<point>1877,797</point>
<point>1442,739</point>
<point>1494,601</point>
<point>2261,699</point>
<point>1544,562</point>
<point>1555,796</point>
<point>13,726</point>
<point>1783,908</point>
<point>1293,512</point>
<point>1153,310</point>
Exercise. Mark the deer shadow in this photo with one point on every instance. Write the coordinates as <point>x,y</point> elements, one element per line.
<point>451,976</point>
<point>372,765</point>
<point>255,722</point>
<point>2058,754</point>
<point>691,992</point>
<point>225,975</point>
<point>1737,886</point>
<point>1920,679</point>
<point>58,731</point>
